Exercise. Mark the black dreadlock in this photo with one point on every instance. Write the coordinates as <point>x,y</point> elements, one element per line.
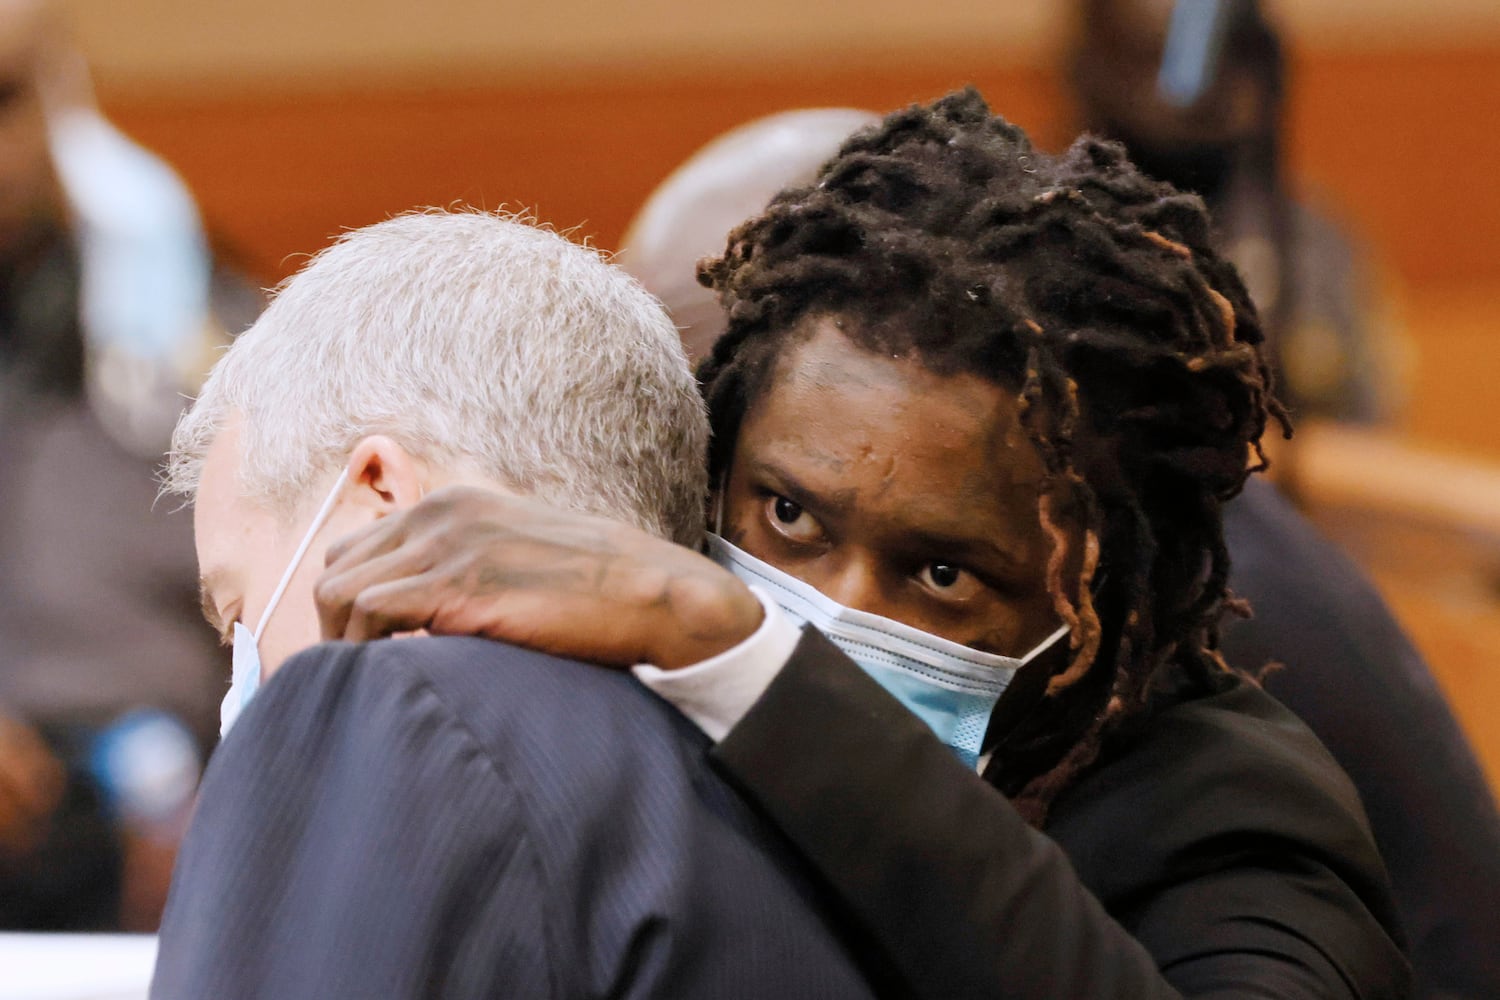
<point>1090,291</point>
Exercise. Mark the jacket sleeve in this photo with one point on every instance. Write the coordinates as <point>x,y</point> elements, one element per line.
<point>965,897</point>
<point>351,841</point>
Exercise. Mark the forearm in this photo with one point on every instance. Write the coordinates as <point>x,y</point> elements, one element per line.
<point>966,898</point>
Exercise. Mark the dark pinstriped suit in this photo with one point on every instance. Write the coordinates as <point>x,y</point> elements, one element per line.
<point>459,818</point>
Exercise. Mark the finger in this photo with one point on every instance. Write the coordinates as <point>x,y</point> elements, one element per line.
<point>404,605</point>
<point>338,590</point>
<point>366,542</point>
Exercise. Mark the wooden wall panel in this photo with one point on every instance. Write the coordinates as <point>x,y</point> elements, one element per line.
<point>1400,141</point>
<point>277,173</point>
<point>1405,143</point>
<point>185,42</point>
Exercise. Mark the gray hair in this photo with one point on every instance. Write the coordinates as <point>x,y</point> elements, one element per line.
<point>470,338</point>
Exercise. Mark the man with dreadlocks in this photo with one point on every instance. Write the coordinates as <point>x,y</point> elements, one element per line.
<point>970,398</point>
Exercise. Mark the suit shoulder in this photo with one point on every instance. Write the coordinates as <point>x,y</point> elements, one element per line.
<point>466,674</point>
<point>1228,779</point>
<point>564,730</point>
<point>328,701</point>
<point>529,707</point>
<point>482,677</point>
<point>1234,756</point>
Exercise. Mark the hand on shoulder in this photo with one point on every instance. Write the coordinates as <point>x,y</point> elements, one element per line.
<point>470,561</point>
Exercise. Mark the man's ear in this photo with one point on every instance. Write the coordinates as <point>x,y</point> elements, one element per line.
<point>384,476</point>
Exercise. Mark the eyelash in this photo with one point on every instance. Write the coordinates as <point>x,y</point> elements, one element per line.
<point>226,637</point>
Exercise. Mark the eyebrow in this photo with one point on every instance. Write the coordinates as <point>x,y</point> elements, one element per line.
<point>839,501</point>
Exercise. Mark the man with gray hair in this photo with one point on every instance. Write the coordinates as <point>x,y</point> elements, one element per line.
<point>442,816</point>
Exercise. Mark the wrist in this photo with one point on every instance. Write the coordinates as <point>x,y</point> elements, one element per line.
<point>711,614</point>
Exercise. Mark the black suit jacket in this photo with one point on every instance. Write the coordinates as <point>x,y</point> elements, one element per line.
<point>457,818</point>
<point>1220,853</point>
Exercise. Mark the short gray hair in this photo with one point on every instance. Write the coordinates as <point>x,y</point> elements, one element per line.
<point>466,337</point>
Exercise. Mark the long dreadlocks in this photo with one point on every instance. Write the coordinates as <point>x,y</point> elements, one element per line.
<point>1091,292</point>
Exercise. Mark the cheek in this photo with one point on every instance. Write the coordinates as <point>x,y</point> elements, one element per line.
<point>1015,626</point>
<point>293,628</point>
<point>745,527</point>
<point>293,625</point>
<point>738,517</point>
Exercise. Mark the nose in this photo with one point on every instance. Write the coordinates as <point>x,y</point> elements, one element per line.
<point>854,581</point>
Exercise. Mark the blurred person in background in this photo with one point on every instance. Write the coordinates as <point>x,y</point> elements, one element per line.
<point>451,817</point>
<point>1314,612</point>
<point>107,317</point>
<point>1196,90</point>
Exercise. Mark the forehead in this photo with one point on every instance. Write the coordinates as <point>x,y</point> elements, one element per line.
<point>219,476</point>
<point>916,443</point>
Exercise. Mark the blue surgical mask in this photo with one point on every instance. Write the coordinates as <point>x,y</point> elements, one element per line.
<point>950,687</point>
<point>245,675</point>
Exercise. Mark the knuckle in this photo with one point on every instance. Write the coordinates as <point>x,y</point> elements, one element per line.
<point>328,592</point>
<point>366,606</point>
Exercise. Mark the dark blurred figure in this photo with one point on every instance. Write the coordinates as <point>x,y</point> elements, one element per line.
<point>1196,91</point>
<point>1349,671</point>
<point>107,687</point>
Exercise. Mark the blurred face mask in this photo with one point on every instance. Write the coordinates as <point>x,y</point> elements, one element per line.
<point>950,687</point>
<point>246,657</point>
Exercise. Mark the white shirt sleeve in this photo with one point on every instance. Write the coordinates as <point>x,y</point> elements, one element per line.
<point>716,693</point>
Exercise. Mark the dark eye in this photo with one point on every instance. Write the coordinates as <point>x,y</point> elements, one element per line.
<point>950,581</point>
<point>787,512</point>
<point>943,575</point>
<point>789,519</point>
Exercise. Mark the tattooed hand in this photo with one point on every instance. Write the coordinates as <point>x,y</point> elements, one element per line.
<point>468,561</point>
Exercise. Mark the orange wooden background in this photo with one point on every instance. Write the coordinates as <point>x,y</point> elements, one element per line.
<point>1400,143</point>
<point>1403,139</point>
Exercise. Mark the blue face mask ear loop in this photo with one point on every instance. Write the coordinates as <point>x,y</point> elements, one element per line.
<point>291,570</point>
<point>246,656</point>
